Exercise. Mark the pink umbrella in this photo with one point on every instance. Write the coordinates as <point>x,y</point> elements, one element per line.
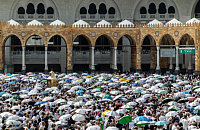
<point>24,96</point>
<point>191,98</point>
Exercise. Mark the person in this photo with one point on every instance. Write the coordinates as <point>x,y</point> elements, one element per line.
<point>175,126</point>
<point>184,122</point>
<point>42,127</point>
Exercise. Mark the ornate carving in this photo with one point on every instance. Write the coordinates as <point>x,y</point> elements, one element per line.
<point>115,34</point>
<point>23,34</point>
<point>157,33</point>
<point>93,34</point>
<point>176,33</point>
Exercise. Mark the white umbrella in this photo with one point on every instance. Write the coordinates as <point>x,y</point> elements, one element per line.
<point>124,87</point>
<point>60,122</point>
<point>7,95</point>
<point>171,113</point>
<point>33,92</point>
<point>78,117</point>
<point>95,127</point>
<point>60,101</point>
<point>14,117</point>
<point>121,111</point>
<point>111,128</point>
<point>132,103</point>
<point>180,94</point>
<point>194,118</point>
<point>173,103</point>
<point>87,96</point>
<point>12,122</point>
<point>97,94</point>
<point>81,111</point>
<point>15,108</point>
<point>146,96</point>
<point>140,100</point>
<point>114,92</point>
<point>197,107</point>
<point>126,106</point>
<point>64,117</point>
<point>63,107</point>
<point>26,100</point>
<point>71,103</point>
<point>79,98</point>
<point>194,104</point>
<point>24,91</point>
<point>6,114</point>
<point>79,103</point>
<point>47,99</point>
<point>88,103</point>
<point>112,113</point>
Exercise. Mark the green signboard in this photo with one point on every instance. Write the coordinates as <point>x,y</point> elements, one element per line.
<point>186,51</point>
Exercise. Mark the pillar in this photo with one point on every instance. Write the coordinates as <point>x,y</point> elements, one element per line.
<point>115,59</point>
<point>158,59</point>
<point>152,57</point>
<point>69,64</point>
<point>138,60</point>
<point>177,69</point>
<point>190,69</point>
<point>91,64</point>
<point>133,59</point>
<point>111,59</point>
<point>183,71</point>
<point>46,59</point>
<point>1,59</point>
<point>197,61</point>
<point>23,60</point>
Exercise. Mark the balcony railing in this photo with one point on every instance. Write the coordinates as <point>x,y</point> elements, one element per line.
<point>111,16</point>
<point>171,15</point>
<point>35,52</point>
<point>21,16</point>
<point>83,16</point>
<point>162,16</point>
<point>102,16</point>
<point>143,16</point>
<point>92,16</point>
<point>152,16</point>
<point>41,16</point>
<point>50,16</point>
<point>30,16</point>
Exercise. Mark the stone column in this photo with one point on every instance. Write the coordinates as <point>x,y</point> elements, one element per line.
<point>158,59</point>
<point>133,59</point>
<point>111,59</point>
<point>177,69</point>
<point>23,60</point>
<point>46,59</point>
<point>91,64</point>
<point>2,59</point>
<point>197,61</point>
<point>153,60</point>
<point>138,62</point>
<point>69,64</point>
<point>190,69</point>
<point>183,71</point>
<point>115,59</point>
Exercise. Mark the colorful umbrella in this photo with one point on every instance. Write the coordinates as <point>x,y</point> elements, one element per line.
<point>125,120</point>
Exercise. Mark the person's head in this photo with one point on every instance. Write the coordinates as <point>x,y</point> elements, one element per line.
<point>43,123</point>
<point>176,122</point>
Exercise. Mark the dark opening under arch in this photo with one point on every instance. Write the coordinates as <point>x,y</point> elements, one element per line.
<point>197,8</point>
<point>143,10</point>
<point>50,10</point>
<point>40,9</point>
<point>102,9</point>
<point>171,10</point>
<point>111,10</point>
<point>152,8</point>
<point>83,10</point>
<point>21,10</point>
<point>30,9</point>
<point>162,8</point>
<point>92,9</point>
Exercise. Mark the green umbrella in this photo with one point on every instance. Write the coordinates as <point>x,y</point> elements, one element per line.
<point>98,88</point>
<point>125,77</point>
<point>174,108</point>
<point>105,75</point>
<point>196,87</point>
<point>16,97</point>
<point>197,111</point>
<point>162,91</point>
<point>160,78</point>
<point>107,97</point>
<point>142,123</point>
<point>44,81</point>
<point>125,120</point>
<point>10,100</point>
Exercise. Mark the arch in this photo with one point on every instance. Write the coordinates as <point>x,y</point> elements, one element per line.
<point>83,10</point>
<point>85,36</point>
<point>197,9</point>
<point>130,38</point>
<point>58,35</point>
<point>152,8</point>
<point>102,9</point>
<point>12,34</point>
<point>111,10</point>
<point>162,8</point>
<point>168,36</point>
<point>50,10</point>
<point>143,10</point>
<point>33,34</point>
<point>30,9</point>
<point>110,39</point>
<point>40,8</point>
<point>147,35</point>
<point>171,10</point>
<point>21,10</point>
<point>188,37</point>
<point>92,9</point>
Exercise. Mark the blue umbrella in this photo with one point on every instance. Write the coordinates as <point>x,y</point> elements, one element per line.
<point>135,84</point>
<point>2,93</point>
<point>172,75</point>
<point>8,74</point>
<point>11,83</point>
<point>23,108</point>
<point>110,80</point>
<point>141,118</point>
<point>5,85</point>
<point>79,91</point>
<point>29,89</point>
<point>185,92</point>
<point>161,123</point>
<point>60,77</point>
<point>18,80</point>
<point>67,80</point>
<point>35,75</point>
<point>40,102</point>
<point>45,93</point>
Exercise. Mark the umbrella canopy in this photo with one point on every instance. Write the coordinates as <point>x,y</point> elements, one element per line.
<point>39,102</point>
<point>125,120</point>
<point>95,127</point>
<point>141,118</point>
<point>78,117</point>
<point>12,122</point>
<point>174,108</point>
<point>112,113</point>
<point>64,117</point>
<point>171,113</point>
<point>111,128</point>
<point>161,123</point>
<point>143,123</point>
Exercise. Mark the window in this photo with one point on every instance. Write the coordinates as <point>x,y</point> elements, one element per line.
<point>50,10</point>
<point>162,9</point>
<point>92,9</point>
<point>152,8</point>
<point>30,9</point>
<point>102,9</point>
<point>111,10</point>
<point>83,10</point>
<point>40,9</point>
<point>21,10</point>
<point>143,10</point>
<point>171,10</point>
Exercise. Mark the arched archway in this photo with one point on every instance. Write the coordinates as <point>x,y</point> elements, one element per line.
<point>171,10</point>
<point>188,60</point>
<point>152,8</point>
<point>21,10</point>
<point>92,9</point>
<point>126,53</point>
<point>40,9</point>
<point>50,10</point>
<point>81,47</point>
<point>102,9</point>
<point>162,8</point>
<point>148,60</point>
<point>12,59</point>
<point>111,10</point>
<point>143,10</point>
<point>83,10</point>
<point>30,9</point>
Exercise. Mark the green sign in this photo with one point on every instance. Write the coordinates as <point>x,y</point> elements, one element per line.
<point>186,51</point>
